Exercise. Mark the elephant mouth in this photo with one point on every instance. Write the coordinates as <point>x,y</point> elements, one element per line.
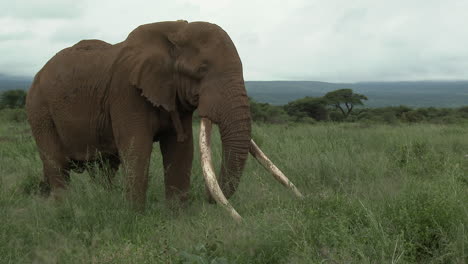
<point>210,176</point>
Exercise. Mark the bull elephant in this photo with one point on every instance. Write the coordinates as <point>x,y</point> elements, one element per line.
<point>113,101</point>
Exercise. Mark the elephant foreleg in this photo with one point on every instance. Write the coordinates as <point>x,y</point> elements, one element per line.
<point>177,161</point>
<point>135,152</point>
<point>177,123</point>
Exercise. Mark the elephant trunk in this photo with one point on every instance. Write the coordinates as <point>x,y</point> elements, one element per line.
<point>232,115</point>
<point>235,130</point>
<point>234,123</point>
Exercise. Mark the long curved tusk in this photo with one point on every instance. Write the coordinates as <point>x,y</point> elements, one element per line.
<point>208,171</point>
<point>269,166</point>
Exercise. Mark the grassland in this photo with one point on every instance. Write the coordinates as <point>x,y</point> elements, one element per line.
<point>374,194</point>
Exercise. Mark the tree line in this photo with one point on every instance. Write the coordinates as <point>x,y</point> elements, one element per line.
<point>343,105</point>
<point>13,99</point>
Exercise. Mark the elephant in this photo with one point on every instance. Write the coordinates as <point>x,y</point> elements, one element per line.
<point>112,101</point>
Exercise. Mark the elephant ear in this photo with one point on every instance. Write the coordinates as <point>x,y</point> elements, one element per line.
<point>153,75</point>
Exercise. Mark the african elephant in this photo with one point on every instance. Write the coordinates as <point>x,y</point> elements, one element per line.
<point>113,101</point>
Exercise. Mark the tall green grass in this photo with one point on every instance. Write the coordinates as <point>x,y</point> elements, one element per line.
<point>374,194</point>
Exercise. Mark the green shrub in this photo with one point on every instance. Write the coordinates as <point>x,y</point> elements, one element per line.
<point>265,112</point>
<point>13,99</point>
<point>336,116</point>
<point>390,118</point>
<point>413,116</point>
<point>463,112</point>
<point>314,107</point>
<point>306,120</point>
<point>13,115</point>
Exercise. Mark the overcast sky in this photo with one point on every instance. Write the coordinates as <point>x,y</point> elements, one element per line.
<point>332,40</point>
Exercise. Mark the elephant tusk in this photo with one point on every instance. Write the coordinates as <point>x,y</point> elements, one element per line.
<point>208,171</point>
<point>269,166</point>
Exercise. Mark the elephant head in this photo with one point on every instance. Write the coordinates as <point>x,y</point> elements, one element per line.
<point>180,65</point>
<point>205,53</point>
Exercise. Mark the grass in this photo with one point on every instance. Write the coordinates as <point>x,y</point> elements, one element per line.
<point>374,194</point>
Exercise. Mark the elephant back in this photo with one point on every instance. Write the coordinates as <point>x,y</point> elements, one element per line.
<point>91,44</point>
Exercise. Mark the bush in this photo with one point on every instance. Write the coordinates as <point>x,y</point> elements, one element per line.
<point>336,116</point>
<point>13,115</point>
<point>306,120</point>
<point>413,116</point>
<point>265,112</point>
<point>462,112</point>
<point>13,99</point>
<point>314,107</point>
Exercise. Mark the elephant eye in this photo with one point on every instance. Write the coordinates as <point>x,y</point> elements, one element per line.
<point>203,69</point>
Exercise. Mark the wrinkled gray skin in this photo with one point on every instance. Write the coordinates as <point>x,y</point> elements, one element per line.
<point>116,100</point>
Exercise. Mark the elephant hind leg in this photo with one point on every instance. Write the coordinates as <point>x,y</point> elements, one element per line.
<point>56,176</point>
<point>54,159</point>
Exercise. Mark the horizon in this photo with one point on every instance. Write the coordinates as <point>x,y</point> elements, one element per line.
<point>273,80</point>
<point>420,93</point>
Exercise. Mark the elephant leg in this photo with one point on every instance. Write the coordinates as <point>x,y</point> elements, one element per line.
<point>135,144</point>
<point>177,161</point>
<point>178,126</point>
<point>54,160</point>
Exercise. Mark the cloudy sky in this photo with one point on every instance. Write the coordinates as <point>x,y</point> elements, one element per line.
<point>333,40</point>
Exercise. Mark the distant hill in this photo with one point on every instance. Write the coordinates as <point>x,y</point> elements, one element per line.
<point>416,94</point>
<point>8,82</point>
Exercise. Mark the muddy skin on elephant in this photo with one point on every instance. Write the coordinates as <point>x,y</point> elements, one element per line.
<point>95,100</point>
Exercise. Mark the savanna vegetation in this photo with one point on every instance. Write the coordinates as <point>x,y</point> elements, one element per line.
<point>344,105</point>
<point>385,185</point>
<point>13,99</point>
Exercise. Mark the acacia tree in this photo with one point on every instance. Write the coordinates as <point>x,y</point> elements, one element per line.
<point>344,100</point>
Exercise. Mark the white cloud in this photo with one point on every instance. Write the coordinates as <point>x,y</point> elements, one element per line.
<point>296,40</point>
<point>41,9</point>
